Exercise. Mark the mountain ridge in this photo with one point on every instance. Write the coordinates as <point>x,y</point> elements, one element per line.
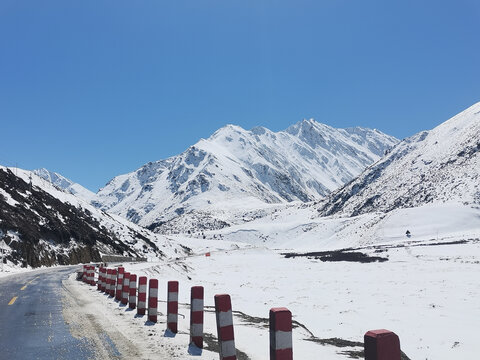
<point>439,165</point>
<point>65,184</point>
<point>258,166</point>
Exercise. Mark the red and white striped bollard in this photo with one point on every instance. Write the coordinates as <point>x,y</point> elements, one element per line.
<point>89,276</point>
<point>152,300</point>
<point>113,283</point>
<point>172,306</point>
<point>84,277</point>
<point>92,275</point>
<point>118,293</point>
<point>108,280</point>
<point>381,345</point>
<point>126,288</point>
<point>105,280</point>
<point>100,279</point>
<point>142,295</point>
<point>281,334</point>
<point>226,338</point>
<point>132,299</point>
<point>196,316</point>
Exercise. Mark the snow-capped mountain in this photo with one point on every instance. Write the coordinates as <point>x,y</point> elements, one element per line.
<point>441,165</point>
<point>41,224</point>
<point>65,184</point>
<point>237,169</point>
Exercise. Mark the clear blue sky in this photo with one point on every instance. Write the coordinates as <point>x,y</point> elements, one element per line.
<point>92,89</point>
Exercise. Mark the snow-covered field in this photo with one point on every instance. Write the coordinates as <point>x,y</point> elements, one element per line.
<point>427,292</point>
<point>300,228</point>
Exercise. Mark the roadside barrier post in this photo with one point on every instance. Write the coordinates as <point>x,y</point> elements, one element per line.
<point>281,334</point>
<point>132,300</point>
<point>196,316</point>
<point>126,288</point>
<point>89,276</point>
<point>92,275</point>
<point>100,278</point>
<point>108,281</point>
<point>152,300</point>
<point>94,272</point>
<point>113,284</point>
<point>172,306</point>
<point>118,293</point>
<point>224,315</point>
<point>84,277</point>
<point>142,295</point>
<point>381,345</point>
<point>105,279</point>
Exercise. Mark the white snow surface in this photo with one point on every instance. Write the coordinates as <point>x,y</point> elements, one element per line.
<point>439,165</point>
<point>8,198</point>
<point>238,169</point>
<point>426,292</point>
<point>65,184</point>
<point>300,228</point>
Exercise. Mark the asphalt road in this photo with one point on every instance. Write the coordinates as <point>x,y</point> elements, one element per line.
<point>31,321</point>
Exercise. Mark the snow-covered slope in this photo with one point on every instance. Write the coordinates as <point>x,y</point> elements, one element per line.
<point>235,170</point>
<point>43,225</point>
<point>65,184</point>
<point>299,228</point>
<point>441,165</point>
<point>428,184</point>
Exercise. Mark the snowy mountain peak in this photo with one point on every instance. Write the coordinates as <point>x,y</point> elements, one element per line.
<point>259,130</point>
<point>304,125</point>
<point>237,168</point>
<point>65,184</point>
<point>313,133</point>
<point>53,177</point>
<point>227,130</point>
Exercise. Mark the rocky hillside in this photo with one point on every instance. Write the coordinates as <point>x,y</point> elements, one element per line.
<point>441,165</point>
<point>51,227</point>
<point>234,171</point>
